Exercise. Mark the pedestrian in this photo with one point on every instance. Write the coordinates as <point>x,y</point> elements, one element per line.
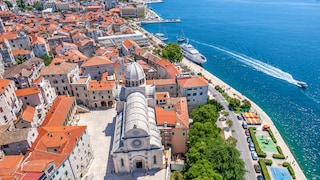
<point>287,157</point>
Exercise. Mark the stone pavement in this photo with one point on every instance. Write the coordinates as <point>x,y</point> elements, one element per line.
<point>265,118</point>
<point>100,127</point>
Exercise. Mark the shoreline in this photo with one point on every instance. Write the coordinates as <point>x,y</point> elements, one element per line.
<point>236,94</point>
<point>254,107</point>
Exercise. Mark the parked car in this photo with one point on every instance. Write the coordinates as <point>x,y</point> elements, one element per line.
<point>222,119</point>
<point>251,148</point>
<point>249,139</point>
<point>257,168</point>
<point>260,177</point>
<point>247,132</point>
<point>244,125</point>
<point>239,117</point>
<point>254,155</point>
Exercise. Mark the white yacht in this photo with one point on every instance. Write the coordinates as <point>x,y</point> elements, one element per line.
<point>302,84</point>
<point>189,52</point>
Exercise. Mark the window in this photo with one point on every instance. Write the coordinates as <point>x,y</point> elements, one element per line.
<point>200,88</point>
<point>201,93</point>
<point>1,110</point>
<point>172,133</point>
<point>102,97</point>
<point>122,163</point>
<point>188,94</point>
<point>194,94</point>
<point>94,97</point>
<point>189,89</point>
<point>62,80</point>
<point>63,165</point>
<point>77,95</point>
<point>66,173</point>
<point>154,159</point>
<point>76,89</point>
<point>25,98</point>
<point>57,88</point>
<point>171,87</point>
<point>183,134</point>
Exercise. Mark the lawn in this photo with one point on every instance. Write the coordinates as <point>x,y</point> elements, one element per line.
<point>267,147</point>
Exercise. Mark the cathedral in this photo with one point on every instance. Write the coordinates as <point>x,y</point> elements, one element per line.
<point>137,141</point>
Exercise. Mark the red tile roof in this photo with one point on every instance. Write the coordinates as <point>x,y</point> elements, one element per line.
<point>61,138</point>
<point>3,85</point>
<point>27,91</point>
<point>165,116</point>
<point>95,85</point>
<point>169,67</point>
<point>96,60</point>
<point>161,82</point>
<point>192,82</point>
<point>28,113</point>
<point>16,52</point>
<point>58,111</point>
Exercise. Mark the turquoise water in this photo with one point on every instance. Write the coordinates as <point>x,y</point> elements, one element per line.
<point>261,48</point>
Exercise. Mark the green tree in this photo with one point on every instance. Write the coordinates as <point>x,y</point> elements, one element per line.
<point>229,123</point>
<point>226,160</point>
<point>246,104</point>
<point>214,102</point>
<point>29,8</point>
<point>176,175</point>
<point>47,60</point>
<point>234,103</point>
<point>205,113</point>
<point>38,6</point>
<point>203,132</point>
<point>232,141</point>
<point>172,52</point>
<point>202,170</point>
<point>9,4</point>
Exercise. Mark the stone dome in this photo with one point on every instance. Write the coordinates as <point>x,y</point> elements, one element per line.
<point>134,72</point>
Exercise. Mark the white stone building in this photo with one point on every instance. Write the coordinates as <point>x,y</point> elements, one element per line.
<point>10,105</point>
<point>137,142</point>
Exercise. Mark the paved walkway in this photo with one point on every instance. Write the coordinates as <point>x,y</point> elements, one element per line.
<point>265,118</point>
<point>100,124</point>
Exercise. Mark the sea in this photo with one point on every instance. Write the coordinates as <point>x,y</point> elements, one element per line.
<point>261,48</point>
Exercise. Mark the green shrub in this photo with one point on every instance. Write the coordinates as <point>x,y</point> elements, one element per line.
<point>280,155</point>
<point>290,169</point>
<point>264,168</point>
<point>268,162</point>
<point>260,153</point>
<point>272,135</point>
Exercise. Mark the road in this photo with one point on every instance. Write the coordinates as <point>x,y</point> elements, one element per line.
<point>238,133</point>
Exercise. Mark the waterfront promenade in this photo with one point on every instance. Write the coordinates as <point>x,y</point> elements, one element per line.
<point>254,107</point>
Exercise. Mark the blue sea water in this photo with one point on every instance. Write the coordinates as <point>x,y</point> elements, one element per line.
<point>260,48</point>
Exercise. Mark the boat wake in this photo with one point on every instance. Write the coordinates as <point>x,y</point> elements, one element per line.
<point>256,64</point>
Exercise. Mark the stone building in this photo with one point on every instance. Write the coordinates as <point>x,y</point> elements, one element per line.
<point>137,142</point>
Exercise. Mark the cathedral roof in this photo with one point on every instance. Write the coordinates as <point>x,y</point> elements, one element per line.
<point>134,72</point>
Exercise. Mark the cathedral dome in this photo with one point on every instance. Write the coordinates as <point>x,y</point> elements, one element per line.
<point>134,72</point>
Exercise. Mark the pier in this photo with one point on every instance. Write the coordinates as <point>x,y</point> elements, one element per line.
<point>160,21</point>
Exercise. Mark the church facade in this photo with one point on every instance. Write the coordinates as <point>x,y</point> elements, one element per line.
<point>137,141</point>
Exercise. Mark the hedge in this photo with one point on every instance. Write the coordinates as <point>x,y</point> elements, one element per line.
<point>280,155</point>
<point>272,135</point>
<point>260,153</point>
<point>263,163</point>
<point>290,169</point>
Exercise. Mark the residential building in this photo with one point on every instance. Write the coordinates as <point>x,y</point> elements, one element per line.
<point>194,88</point>
<point>137,142</point>
<point>64,46</point>
<point>128,46</point>
<point>63,6</point>
<point>9,165</point>
<point>129,11</point>
<point>166,70</point>
<point>6,53</point>
<point>10,105</point>
<point>28,119</point>
<point>96,66</point>
<point>60,152</point>
<point>165,85</point>
<point>21,55</point>
<point>173,121</point>
<point>61,76</point>
<point>39,46</point>
<point>48,92</point>
<point>110,4</point>
<point>62,112</point>
<point>87,46</point>
<point>23,74</point>
<point>151,73</point>
<point>33,97</point>
<point>2,28</point>
<point>17,141</point>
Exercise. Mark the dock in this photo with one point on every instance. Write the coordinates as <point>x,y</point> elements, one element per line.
<point>160,21</point>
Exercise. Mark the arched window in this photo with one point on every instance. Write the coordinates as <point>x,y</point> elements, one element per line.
<point>122,163</point>
<point>154,159</point>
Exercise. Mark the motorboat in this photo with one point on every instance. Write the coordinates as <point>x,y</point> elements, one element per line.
<point>302,84</point>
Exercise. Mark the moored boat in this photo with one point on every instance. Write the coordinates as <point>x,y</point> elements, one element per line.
<point>189,52</point>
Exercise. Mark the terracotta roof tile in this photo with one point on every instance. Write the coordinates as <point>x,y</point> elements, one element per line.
<point>58,111</point>
<point>161,82</point>
<point>192,81</point>
<point>62,68</point>
<point>165,116</point>
<point>61,138</point>
<point>9,164</point>
<point>95,85</point>
<point>28,113</point>
<point>26,91</point>
<point>3,85</point>
<point>16,52</point>
<point>96,60</point>
<point>170,68</point>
